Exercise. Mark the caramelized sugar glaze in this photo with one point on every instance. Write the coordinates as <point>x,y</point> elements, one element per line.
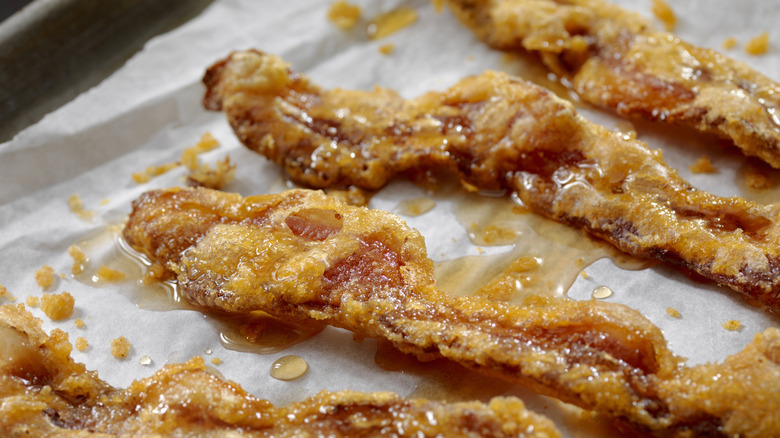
<point>302,256</point>
<point>497,132</point>
<point>45,393</point>
<point>617,59</point>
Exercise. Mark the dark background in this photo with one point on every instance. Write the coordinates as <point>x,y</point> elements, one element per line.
<point>8,7</point>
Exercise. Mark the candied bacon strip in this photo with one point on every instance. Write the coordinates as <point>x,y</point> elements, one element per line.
<point>498,132</point>
<point>43,392</point>
<point>371,275</point>
<point>617,59</point>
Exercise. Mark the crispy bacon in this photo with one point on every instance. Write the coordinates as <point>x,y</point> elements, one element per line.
<point>43,392</point>
<point>618,60</point>
<point>498,132</point>
<point>371,276</point>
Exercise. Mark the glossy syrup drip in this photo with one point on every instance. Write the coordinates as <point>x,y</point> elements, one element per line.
<point>258,332</point>
<point>542,257</point>
<point>255,332</point>
<point>289,367</point>
<point>602,292</point>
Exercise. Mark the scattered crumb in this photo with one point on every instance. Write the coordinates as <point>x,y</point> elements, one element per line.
<point>120,347</point>
<point>206,143</point>
<point>216,361</point>
<point>391,22</point>
<point>703,165</point>
<point>153,274</point>
<point>626,129</point>
<point>145,360</point>
<point>141,177</point>
<point>470,58</point>
<point>438,5</point>
<point>79,323</point>
<point>732,325</point>
<point>79,259</point>
<point>81,343</point>
<point>57,306</point>
<point>146,175</point>
<point>104,201</point>
<point>44,276</point>
<point>344,15</point>
<point>758,45</point>
<point>674,313</point>
<point>387,49</point>
<point>664,12</point>
<point>5,295</point>
<point>352,196</point>
<point>480,250</point>
<point>495,235</point>
<point>104,273</point>
<point>584,275</point>
<point>62,275</point>
<point>77,207</point>
<point>729,43</point>
<point>416,206</point>
<point>757,179</point>
<point>204,176</point>
<point>32,301</point>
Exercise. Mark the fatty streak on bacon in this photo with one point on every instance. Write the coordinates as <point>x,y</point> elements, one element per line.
<point>43,392</point>
<point>366,271</point>
<point>617,59</point>
<point>498,132</point>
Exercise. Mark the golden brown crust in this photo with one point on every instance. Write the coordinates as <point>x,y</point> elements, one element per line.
<point>616,59</point>
<point>365,271</point>
<point>43,392</point>
<point>498,132</point>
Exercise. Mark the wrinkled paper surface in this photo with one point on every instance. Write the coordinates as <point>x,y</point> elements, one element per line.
<point>149,111</point>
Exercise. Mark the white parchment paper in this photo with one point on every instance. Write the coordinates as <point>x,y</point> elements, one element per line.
<point>149,111</point>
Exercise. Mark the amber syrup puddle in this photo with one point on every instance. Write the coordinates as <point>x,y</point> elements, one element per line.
<point>542,257</point>
<point>255,332</point>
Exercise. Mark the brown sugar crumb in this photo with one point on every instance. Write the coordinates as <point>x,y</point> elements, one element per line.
<point>757,179</point>
<point>674,313</point>
<point>77,207</point>
<point>5,295</point>
<point>416,206</point>
<point>438,5</point>
<point>33,301</point>
<point>58,306</point>
<point>703,165</point>
<point>344,15</point>
<point>626,129</point>
<point>664,12</point>
<point>104,273</point>
<point>79,323</point>
<point>44,276</point>
<point>584,275</point>
<point>732,325</point>
<point>729,43</point>
<point>79,259</point>
<point>387,49</point>
<point>152,171</point>
<point>206,143</point>
<point>216,361</point>
<point>204,176</point>
<point>391,22</point>
<point>120,347</point>
<point>352,196</point>
<point>81,343</point>
<point>758,45</point>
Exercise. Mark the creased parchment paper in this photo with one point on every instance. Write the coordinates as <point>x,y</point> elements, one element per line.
<point>149,111</point>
